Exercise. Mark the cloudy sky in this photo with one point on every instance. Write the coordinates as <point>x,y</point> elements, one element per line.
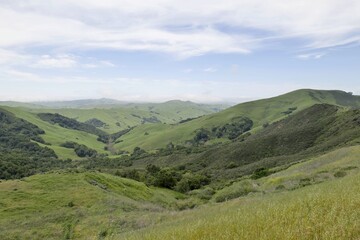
<point>157,50</point>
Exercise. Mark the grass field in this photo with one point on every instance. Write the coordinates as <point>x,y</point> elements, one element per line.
<point>79,206</point>
<point>92,205</point>
<point>329,210</point>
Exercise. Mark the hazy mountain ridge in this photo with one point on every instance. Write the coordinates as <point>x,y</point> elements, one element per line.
<point>107,103</point>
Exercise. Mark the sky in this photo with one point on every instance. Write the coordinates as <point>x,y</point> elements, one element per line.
<point>159,50</point>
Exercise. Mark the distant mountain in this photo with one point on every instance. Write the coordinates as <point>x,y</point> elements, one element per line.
<point>20,104</point>
<point>82,103</point>
<point>109,103</point>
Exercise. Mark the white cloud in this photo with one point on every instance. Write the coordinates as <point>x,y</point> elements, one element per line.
<point>188,70</point>
<point>106,63</point>
<point>183,28</point>
<point>210,70</point>
<point>12,58</point>
<point>21,75</point>
<point>61,61</point>
<point>308,56</point>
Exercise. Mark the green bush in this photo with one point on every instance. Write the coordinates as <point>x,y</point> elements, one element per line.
<point>236,190</point>
<point>260,172</point>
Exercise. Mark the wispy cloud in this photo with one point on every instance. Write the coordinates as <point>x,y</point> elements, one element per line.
<point>22,75</point>
<point>61,61</point>
<point>53,46</point>
<point>8,57</point>
<point>210,70</point>
<point>308,56</point>
<point>182,28</point>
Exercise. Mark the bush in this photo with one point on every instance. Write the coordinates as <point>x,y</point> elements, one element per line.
<point>138,153</point>
<point>236,190</point>
<point>204,194</point>
<point>191,181</point>
<point>260,172</point>
<point>84,151</point>
<point>132,174</point>
<point>340,174</point>
<point>166,178</point>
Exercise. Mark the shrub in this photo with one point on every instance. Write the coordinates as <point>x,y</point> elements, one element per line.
<point>260,172</point>
<point>236,190</point>
<point>166,178</point>
<point>340,174</point>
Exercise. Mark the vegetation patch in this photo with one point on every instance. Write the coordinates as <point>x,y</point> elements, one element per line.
<point>96,123</point>
<point>65,122</point>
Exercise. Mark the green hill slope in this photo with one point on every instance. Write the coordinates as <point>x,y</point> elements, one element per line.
<point>94,205</point>
<point>78,206</point>
<point>296,178</point>
<point>57,135</point>
<point>325,211</point>
<point>156,134</point>
<point>112,120</point>
<point>307,133</point>
<point>118,116</point>
<point>260,112</point>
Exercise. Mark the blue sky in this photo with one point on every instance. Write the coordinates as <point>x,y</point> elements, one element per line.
<point>158,50</point>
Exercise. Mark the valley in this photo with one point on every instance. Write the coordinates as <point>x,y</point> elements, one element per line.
<point>266,169</point>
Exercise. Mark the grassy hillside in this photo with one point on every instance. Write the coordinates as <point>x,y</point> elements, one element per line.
<point>325,211</point>
<point>158,135</point>
<point>309,171</point>
<point>121,116</point>
<point>310,132</point>
<point>260,112</point>
<point>113,120</point>
<point>297,178</point>
<point>79,206</point>
<point>93,205</point>
<point>56,135</point>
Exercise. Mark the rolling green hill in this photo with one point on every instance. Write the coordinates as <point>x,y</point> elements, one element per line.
<point>297,177</point>
<point>172,121</point>
<point>121,117</point>
<point>260,112</point>
<point>56,135</point>
<point>90,205</point>
<point>310,132</point>
<point>114,120</point>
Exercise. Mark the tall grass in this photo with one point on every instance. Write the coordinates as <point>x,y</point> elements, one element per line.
<point>329,210</point>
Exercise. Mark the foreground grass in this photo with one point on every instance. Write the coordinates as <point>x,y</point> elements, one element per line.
<point>92,205</point>
<point>79,206</point>
<point>330,210</point>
